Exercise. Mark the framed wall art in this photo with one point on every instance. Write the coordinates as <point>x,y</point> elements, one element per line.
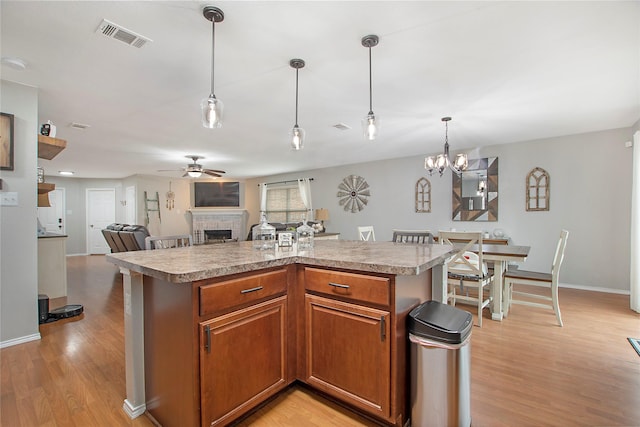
<point>6,141</point>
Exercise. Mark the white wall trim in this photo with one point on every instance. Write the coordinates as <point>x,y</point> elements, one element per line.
<point>20,340</point>
<point>84,254</point>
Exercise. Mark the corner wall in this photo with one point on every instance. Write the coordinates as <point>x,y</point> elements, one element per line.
<point>18,224</point>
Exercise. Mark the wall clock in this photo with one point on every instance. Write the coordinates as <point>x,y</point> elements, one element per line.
<point>353,193</point>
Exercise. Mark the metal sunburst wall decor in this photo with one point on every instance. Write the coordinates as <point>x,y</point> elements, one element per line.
<point>353,193</point>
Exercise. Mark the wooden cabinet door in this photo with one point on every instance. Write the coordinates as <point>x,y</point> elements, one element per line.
<point>242,360</point>
<point>348,353</point>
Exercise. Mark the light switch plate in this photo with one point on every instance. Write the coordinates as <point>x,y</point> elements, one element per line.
<point>9,198</point>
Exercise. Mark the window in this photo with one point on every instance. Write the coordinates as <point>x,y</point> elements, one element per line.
<point>284,204</point>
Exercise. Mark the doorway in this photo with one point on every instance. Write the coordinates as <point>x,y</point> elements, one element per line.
<point>53,218</point>
<point>101,211</point>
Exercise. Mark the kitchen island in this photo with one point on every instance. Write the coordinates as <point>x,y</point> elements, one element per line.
<point>212,331</point>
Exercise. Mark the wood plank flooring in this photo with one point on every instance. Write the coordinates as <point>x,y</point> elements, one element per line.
<point>525,371</point>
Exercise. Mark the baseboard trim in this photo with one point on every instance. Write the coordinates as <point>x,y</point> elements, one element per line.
<point>77,255</point>
<point>595,289</point>
<point>20,340</point>
<point>133,412</point>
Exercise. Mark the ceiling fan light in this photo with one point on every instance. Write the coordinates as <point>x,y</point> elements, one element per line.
<point>212,109</point>
<point>194,174</point>
<point>297,138</point>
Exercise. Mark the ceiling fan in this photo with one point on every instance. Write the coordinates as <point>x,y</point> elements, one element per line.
<point>194,170</point>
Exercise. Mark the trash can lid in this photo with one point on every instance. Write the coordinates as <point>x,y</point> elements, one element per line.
<point>440,322</point>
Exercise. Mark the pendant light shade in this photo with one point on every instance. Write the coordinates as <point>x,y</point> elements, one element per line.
<point>212,108</point>
<point>370,123</point>
<point>296,135</point>
<point>442,161</point>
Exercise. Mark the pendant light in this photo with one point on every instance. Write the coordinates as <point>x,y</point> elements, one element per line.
<point>212,107</point>
<point>296,134</point>
<point>371,123</point>
<point>441,162</point>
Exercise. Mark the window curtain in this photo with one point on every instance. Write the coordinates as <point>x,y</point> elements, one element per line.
<point>304,186</point>
<point>635,227</point>
<point>263,197</point>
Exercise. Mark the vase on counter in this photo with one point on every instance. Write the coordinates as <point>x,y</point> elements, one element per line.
<point>304,236</point>
<point>263,234</point>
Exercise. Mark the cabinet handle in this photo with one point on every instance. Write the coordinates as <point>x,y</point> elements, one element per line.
<point>207,343</point>
<point>246,291</point>
<point>338,285</point>
<point>383,328</point>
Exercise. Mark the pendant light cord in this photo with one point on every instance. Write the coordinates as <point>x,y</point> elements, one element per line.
<point>213,50</point>
<point>370,85</point>
<point>296,97</point>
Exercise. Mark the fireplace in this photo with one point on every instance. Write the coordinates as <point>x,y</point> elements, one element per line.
<point>209,225</point>
<point>217,235</point>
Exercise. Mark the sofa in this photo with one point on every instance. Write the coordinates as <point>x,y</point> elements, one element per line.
<point>125,237</point>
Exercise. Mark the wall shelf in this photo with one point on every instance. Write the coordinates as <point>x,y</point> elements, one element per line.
<point>49,147</point>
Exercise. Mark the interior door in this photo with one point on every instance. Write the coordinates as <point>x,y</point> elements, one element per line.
<point>101,211</point>
<point>53,218</point>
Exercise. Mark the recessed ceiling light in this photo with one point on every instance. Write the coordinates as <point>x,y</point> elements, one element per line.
<point>15,63</point>
<point>67,173</point>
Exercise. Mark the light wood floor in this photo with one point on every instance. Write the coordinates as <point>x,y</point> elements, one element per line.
<point>525,371</point>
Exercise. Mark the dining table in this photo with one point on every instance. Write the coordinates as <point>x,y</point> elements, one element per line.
<point>500,256</point>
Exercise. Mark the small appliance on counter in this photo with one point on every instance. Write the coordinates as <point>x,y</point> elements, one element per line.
<point>46,316</point>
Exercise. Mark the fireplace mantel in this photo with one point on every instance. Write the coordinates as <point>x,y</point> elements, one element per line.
<point>218,219</point>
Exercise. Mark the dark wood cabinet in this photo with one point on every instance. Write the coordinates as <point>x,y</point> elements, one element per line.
<point>217,348</point>
<point>243,358</point>
<point>348,349</point>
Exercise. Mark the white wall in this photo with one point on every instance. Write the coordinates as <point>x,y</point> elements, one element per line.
<point>18,225</point>
<point>588,197</point>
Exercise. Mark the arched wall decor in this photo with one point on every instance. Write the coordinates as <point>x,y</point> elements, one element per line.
<point>537,190</point>
<point>423,195</point>
<point>353,193</point>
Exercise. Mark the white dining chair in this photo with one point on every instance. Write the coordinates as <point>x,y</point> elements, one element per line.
<point>165,242</point>
<point>467,269</point>
<point>512,278</point>
<point>412,236</point>
<point>365,232</point>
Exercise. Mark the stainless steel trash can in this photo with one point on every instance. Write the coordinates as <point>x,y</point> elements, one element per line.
<point>440,338</point>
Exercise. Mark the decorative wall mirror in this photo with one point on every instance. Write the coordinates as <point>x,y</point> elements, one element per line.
<point>423,195</point>
<point>475,191</point>
<point>537,187</point>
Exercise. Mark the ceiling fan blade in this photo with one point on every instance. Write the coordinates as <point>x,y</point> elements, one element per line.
<point>210,172</point>
<point>215,171</point>
<point>186,174</point>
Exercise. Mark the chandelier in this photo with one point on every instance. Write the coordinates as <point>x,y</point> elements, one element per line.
<point>442,161</point>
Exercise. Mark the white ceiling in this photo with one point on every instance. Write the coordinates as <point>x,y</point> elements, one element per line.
<point>505,71</point>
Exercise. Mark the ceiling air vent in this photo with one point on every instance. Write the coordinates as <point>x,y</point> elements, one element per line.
<point>81,126</point>
<point>117,32</point>
<point>341,126</point>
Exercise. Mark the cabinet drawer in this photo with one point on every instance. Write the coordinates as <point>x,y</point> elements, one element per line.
<point>359,287</point>
<point>222,296</point>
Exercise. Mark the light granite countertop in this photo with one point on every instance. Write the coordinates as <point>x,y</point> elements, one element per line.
<point>182,265</point>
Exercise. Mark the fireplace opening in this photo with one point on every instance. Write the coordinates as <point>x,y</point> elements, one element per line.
<point>217,235</point>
